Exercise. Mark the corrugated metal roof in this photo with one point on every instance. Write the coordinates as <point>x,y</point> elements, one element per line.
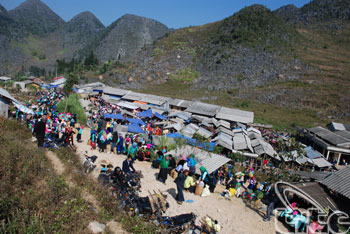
<point>180,114</point>
<point>239,142</point>
<point>188,131</point>
<point>235,115</point>
<point>316,175</point>
<point>127,105</point>
<point>57,82</point>
<point>115,91</point>
<point>4,78</point>
<point>320,162</point>
<point>177,126</point>
<point>152,99</point>
<point>203,109</point>
<point>339,181</point>
<point>223,123</point>
<point>6,94</point>
<point>133,96</point>
<point>198,117</point>
<point>336,126</point>
<point>311,153</point>
<point>343,133</point>
<point>128,113</point>
<point>180,103</point>
<point>224,130</point>
<point>159,110</point>
<point>347,127</point>
<point>178,120</point>
<point>317,192</point>
<point>260,146</point>
<point>111,100</point>
<point>329,136</point>
<point>193,126</point>
<point>204,133</point>
<point>251,129</point>
<point>141,105</point>
<point>224,140</point>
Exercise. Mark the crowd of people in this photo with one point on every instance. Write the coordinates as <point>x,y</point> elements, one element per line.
<point>46,122</point>
<point>44,119</point>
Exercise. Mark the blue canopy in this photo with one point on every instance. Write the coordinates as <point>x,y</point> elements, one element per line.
<point>51,86</point>
<point>145,114</point>
<point>135,128</point>
<point>311,153</point>
<point>135,121</point>
<point>98,90</point>
<point>159,116</point>
<point>113,116</point>
<point>177,135</point>
<point>193,142</point>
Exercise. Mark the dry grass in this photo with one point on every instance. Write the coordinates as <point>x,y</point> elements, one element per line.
<point>33,199</point>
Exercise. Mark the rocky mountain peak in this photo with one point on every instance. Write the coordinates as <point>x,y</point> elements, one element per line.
<point>316,11</point>
<point>288,12</point>
<point>37,17</point>
<point>2,10</point>
<point>86,19</point>
<point>128,35</point>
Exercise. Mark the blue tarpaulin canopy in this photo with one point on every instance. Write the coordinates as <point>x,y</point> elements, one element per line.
<point>311,153</point>
<point>145,114</point>
<point>159,116</point>
<point>98,90</point>
<point>113,116</point>
<point>135,128</point>
<point>51,86</point>
<point>135,121</point>
<point>204,145</point>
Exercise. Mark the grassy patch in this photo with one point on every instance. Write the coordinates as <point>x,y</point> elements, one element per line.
<point>188,74</point>
<point>33,199</point>
<point>280,117</point>
<point>61,52</point>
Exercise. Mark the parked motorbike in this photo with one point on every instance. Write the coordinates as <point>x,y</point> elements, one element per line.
<point>178,224</point>
<point>88,163</point>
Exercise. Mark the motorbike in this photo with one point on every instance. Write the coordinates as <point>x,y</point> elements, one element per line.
<point>88,163</point>
<point>178,224</point>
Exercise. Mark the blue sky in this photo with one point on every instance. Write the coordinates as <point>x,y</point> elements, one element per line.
<point>173,13</point>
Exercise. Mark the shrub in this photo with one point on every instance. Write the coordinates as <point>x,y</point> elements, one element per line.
<point>74,106</point>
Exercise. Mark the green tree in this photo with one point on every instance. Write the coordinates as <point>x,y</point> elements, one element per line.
<point>71,81</point>
<point>91,61</point>
<point>18,88</point>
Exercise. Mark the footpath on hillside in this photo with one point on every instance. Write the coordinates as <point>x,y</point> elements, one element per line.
<point>59,167</point>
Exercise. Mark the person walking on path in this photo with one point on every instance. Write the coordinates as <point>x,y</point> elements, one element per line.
<point>163,172</point>
<point>115,139</point>
<point>120,144</point>
<point>180,182</point>
<point>39,131</point>
<point>273,200</point>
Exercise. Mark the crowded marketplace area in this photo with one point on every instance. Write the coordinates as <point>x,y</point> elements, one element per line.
<point>190,157</point>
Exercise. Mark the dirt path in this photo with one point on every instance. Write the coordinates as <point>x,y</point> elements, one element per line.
<point>59,168</point>
<point>233,215</point>
<point>56,162</point>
